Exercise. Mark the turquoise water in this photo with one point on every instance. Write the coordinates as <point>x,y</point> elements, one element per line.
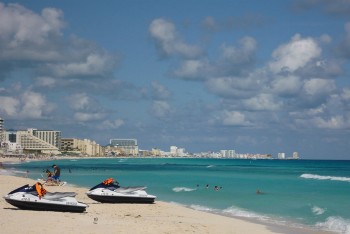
<point>295,192</point>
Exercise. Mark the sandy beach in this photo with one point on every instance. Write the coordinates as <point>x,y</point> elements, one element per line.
<point>160,217</point>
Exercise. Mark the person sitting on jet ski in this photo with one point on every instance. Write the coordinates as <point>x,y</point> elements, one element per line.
<point>48,174</point>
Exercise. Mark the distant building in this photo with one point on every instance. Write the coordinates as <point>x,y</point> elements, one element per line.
<point>228,153</point>
<point>83,147</point>
<point>2,130</point>
<point>50,136</point>
<point>281,155</point>
<point>173,150</point>
<point>33,144</point>
<point>11,148</point>
<point>295,155</point>
<point>125,146</point>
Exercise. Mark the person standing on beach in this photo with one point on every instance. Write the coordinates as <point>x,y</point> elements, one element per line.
<point>56,173</point>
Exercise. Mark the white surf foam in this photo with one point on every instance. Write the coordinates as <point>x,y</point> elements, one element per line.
<point>234,211</point>
<point>335,224</point>
<point>183,189</point>
<point>5,172</point>
<point>317,210</point>
<point>320,177</point>
<point>203,208</point>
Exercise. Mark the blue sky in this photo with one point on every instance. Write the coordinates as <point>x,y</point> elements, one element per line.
<point>254,76</point>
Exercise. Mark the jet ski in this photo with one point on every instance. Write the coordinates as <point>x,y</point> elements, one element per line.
<point>37,198</point>
<point>110,192</point>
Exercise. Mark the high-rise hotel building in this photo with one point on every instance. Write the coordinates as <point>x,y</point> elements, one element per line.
<point>41,141</point>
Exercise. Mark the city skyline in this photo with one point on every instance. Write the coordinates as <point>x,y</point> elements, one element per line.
<point>259,77</point>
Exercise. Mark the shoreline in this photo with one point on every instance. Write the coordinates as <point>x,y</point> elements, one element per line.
<point>160,217</point>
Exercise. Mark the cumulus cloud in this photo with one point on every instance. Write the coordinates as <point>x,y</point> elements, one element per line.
<point>34,105</point>
<point>95,64</point>
<point>262,102</point>
<point>316,87</point>
<point>242,54</point>
<point>234,87</point>
<point>111,124</point>
<point>159,92</point>
<point>161,109</point>
<point>28,104</point>
<point>295,54</point>
<point>193,70</point>
<point>27,35</point>
<point>36,41</point>
<point>85,117</point>
<point>286,85</point>
<point>169,42</point>
<point>9,106</point>
<point>232,118</point>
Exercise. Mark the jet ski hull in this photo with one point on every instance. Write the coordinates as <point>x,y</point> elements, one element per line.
<point>27,205</point>
<point>121,199</point>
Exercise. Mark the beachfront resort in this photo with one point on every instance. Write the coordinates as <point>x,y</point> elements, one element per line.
<point>34,142</point>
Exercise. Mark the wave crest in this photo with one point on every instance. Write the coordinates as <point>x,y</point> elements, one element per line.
<point>335,224</point>
<point>320,177</point>
<point>183,189</point>
<point>317,210</point>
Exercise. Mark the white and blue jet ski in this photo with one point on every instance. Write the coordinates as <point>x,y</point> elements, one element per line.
<point>110,192</point>
<point>37,198</point>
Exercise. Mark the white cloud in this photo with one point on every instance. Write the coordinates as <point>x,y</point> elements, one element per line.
<point>346,94</point>
<point>286,85</point>
<point>239,87</point>
<point>34,105</point>
<point>9,105</point>
<point>168,40</point>
<point>262,101</point>
<point>159,91</point>
<point>335,122</point>
<point>27,35</point>
<point>94,64</point>
<point>84,117</point>
<point>295,54</point>
<point>315,87</point>
<point>111,124</point>
<point>45,82</point>
<point>161,109</point>
<point>193,69</point>
<point>243,54</point>
<point>233,118</point>
<point>79,101</point>
<point>19,25</point>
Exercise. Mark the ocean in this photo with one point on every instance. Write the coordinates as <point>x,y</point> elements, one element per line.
<point>299,193</point>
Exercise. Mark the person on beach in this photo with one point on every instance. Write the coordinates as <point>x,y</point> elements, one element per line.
<point>48,175</point>
<point>56,173</point>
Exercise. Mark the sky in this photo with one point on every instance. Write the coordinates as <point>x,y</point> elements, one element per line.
<point>254,76</point>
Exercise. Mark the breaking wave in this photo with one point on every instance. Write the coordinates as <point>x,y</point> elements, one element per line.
<point>234,211</point>
<point>183,189</point>
<point>335,224</point>
<point>317,210</point>
<point>320,177</point>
